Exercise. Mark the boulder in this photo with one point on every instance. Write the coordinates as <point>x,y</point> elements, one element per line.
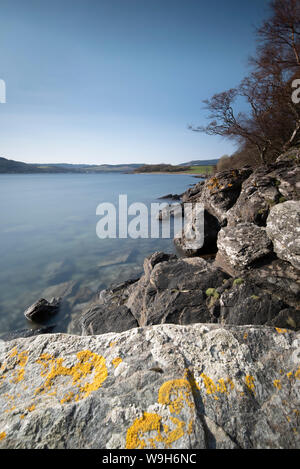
<point>241,247</point>
<point>221,192</point>
<point>283,228</point>
<point>100,319</point>
<point>207,239</point>
<point>42,310</point>
<point>280,279</point>
<point>162,387</point>
<point>173,290</point>
<point>245,303</point>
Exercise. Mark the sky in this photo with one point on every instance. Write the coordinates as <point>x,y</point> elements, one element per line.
<point>119,81</point>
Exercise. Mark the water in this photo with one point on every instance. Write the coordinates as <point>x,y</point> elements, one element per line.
<point>48,239</point>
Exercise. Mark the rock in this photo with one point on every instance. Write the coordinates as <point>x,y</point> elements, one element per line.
<point>193,194</point>
<point>221,192</point>
<point>108,313</point>
<point>173,290</point>
<point>24,333</point>
<point>207,240</point>
<point>246,303</point>
<point>259,193</point>
<point>42,310</point>
<point>279,278</point>
<point>166,386</point>
<point>109,261</point>
<point>171,197</point>
<point>171,210</point>
<point>63,290</point>
<point>283,228</point>
<point>58,272</point>
<point>101,319</point>
<point>241,247</point>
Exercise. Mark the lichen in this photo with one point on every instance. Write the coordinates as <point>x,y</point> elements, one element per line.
<point>2,435</point>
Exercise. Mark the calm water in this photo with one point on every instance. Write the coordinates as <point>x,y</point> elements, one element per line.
<point>48,239</point>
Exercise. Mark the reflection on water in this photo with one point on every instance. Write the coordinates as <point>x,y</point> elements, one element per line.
<point>48,242</point>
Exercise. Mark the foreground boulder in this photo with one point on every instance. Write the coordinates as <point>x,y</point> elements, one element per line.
<point>167,386</point>
<point>283,228</point>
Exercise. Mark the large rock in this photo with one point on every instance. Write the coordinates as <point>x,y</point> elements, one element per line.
<point>283,228</point>
<point>245,304</point>
<point>173,290</point>
<point>206,232</point>
<point>167,386</point>
<point>241,247</point>
<point>221,192</point>
<point>279,278</point>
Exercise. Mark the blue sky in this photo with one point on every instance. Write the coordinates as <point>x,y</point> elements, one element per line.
<point>116,81</point>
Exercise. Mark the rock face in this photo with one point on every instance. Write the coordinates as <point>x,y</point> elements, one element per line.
<point>241,247</point>
<point>283,228</point>
<point>42,309</point>
<point>167,386</point>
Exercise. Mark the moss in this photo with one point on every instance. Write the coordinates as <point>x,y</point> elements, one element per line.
<point>238,281</point>
<point>212,292</point>
<point>255,297</point>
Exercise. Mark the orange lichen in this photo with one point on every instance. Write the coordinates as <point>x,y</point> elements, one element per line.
<point>281,331</point>
<point>209,385</point>
<point>2,435</point>
<point>245,336</point>
<point>297,374</point>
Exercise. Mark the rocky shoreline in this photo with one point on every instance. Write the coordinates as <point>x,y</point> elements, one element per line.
<point>201,351</point>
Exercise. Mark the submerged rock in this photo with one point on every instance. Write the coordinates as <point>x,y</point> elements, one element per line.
<point>167,386</point>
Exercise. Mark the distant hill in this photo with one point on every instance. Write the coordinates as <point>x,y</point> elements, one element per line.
<point>200,163</point>
<point>11,166</point>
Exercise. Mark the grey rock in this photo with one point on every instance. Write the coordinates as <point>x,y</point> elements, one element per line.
<point>283,228</point>
<point>101,319</point>
<point>246,304</point>
<point>42,309</point>
<point>280,279</point>
<point>166,386</point>
<point>207,234</point>
<point>173,290</point>
<point>241,247</point>
<point>24,333</point>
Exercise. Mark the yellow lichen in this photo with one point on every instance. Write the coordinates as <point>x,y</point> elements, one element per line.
<point>116,361</point>
<point>280,331</point>
<point>31,408</point>
<point>88,363</point>
<point>297,374</point>
<point>2,435</point>
<point>249,380</point>
<point>175,394</point>
<point>277,384</point>
<point>148,431</point>
<point>21,361</point>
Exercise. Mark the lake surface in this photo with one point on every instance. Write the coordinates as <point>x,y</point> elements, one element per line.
<point>48,241</point>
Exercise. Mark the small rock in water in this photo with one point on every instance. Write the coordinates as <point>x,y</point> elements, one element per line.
<point>42,309</point>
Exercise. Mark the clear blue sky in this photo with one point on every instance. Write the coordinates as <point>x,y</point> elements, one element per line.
<point>115,81</point>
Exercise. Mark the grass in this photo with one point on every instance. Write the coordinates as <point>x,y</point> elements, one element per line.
<point>201,169</point>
